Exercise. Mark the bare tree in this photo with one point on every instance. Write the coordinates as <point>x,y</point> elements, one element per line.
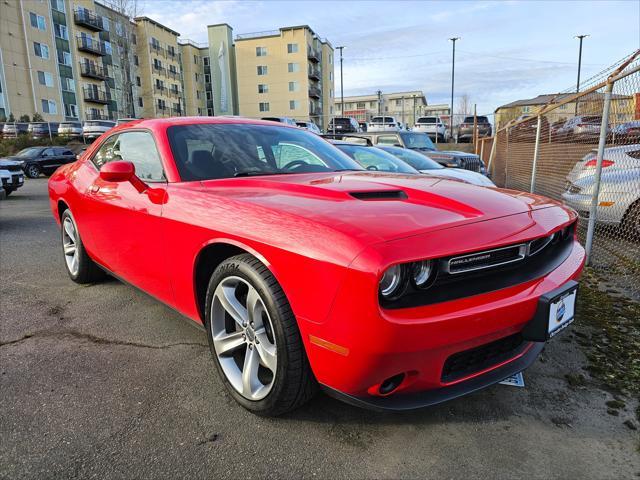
<point>465,107</point>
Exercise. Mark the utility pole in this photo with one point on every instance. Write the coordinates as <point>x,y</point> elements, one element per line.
<point>453,71</point>
<point>579,37</point>
<point>403,111</point>
<point>379,92</point>
<point>341,83</point>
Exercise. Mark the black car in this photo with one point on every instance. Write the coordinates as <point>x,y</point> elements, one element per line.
<point>343,125</point>
<point>37,160</point>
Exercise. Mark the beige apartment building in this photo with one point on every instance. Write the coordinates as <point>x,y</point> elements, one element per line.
<point>406,107</point>
<point>84,60</point>
<point>286,73</point>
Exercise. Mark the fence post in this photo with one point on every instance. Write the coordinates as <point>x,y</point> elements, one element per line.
<point>492,152</point>
<point>536,152</point>
<point>598,175</point>
<point>482,149</point>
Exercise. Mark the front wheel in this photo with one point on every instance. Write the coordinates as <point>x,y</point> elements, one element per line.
<point>32,171</point>
<point>631,223</point>
<point>254,338</point>
<point>79,265</point>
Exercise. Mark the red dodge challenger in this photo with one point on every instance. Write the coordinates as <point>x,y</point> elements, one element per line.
<point>388,291</point>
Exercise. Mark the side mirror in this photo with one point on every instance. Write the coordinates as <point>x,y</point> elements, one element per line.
<point>122,171</point>
<point>119,171</point>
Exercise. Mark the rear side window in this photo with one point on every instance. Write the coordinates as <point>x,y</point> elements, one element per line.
<point>388,140</point>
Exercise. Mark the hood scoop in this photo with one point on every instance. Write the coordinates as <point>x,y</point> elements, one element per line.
<point>380,195</point>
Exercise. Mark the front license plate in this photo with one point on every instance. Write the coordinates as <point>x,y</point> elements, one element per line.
<point>561,312</point>
<point>555,312</point>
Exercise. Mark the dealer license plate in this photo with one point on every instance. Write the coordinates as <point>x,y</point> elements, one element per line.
<point>561,312</point>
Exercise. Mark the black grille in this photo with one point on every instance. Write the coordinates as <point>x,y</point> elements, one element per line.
<point>470,163</point>
<point>468,362</point>
<point>380,195</point>
<point>11,168</point>
<point>489,258</point>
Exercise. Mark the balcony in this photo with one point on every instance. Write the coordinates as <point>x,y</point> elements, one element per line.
<point>88,19</point>
<point>96,95</point>
<point>314,55</point>
<point>176,112</point>
<point>314,110</point>
<point>173,75</point>
<point>159,70</point>
<point>162,110</point>
<point>157,49</point>
<point>93,70</point>
<point>96,115</point>
<point>174,92</point>
<point>161,89</point>
<point>91,45</point>
<point>315,92</point>
<point>314,73</point>
<point>171,54</point>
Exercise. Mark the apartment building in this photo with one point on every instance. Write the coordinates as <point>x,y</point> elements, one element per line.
<point>406,107</point>
<point>287,72</point>
<point>193,57</point>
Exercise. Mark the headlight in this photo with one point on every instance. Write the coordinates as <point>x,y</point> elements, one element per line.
<point>393,282</point>
<point>421,273</point>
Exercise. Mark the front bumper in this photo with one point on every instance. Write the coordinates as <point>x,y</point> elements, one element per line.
<point>362,344</point>
<point>611,208</point>
<point>16,180</point>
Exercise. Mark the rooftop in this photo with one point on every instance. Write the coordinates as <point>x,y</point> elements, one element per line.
<point>157,24</point>
<point>558,97</point>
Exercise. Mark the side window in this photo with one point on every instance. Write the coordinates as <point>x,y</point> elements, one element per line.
<point>388,140</point>
<point>106,153</point>
<point>49,152</point>
<point>140,149</point>
<point>287,153</point>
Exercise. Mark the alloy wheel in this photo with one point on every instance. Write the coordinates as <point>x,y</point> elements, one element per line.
<point>34,171</point>
<point>243,338</point>
<point>70,245</point>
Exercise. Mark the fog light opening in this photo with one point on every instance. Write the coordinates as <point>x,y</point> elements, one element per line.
<point>391,384</point>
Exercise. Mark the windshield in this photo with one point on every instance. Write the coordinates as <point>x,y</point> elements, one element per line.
<point>415,159</point>
<point>373,158</point>
<point>341,121</point>
<point>382,120</point>
<point>29,152</point>
<point>427,120</point>
<point>418,141</point>
<point>210,151</point>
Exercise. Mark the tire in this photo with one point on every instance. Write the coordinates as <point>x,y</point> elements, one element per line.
<point>8,191</point>
<point>630,225</point>
<point>80,267</point>
<point>287,381</point>
<point>32,171</point>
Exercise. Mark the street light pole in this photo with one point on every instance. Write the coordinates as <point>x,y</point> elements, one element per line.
<point>453,71</point>
<point>580,37</point>
<point>341,83</point>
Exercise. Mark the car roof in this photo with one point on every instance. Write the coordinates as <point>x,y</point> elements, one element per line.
<point>157,124</point>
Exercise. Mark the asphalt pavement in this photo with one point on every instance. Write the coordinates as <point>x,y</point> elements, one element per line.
<point>103,381</point>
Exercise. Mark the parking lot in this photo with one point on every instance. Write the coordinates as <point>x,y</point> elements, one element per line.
<point>104,381</point>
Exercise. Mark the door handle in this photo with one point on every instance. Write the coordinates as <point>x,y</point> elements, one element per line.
<point>94,188</point>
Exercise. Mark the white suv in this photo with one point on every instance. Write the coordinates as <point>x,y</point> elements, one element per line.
<point>432,126</point>
<point>383,124</point>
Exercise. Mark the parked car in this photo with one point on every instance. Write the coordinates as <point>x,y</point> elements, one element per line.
<point>383,124</point>
<point>626,132</point>
<point>343,125</point>
<point>12,130</point>
<point>526,131</point>
<point>43,129</point>
<point>387,291</point>
<point>465,129</point>
<point>425,164</point>
<point>421,143</point>
<point>583,127</point>
<point>374,159</point>
<point>37,160</point>
<point>619,196</point>
<point>312,127</point>
<point>92,129</point>
<point>432,126</point>
<point>70,129</point>
<point>285,120</point>
<point>11,175</point>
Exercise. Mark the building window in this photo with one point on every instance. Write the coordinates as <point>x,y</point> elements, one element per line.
<point>71,110</point>
<point>331,76</point>
<point>293,67</point>
<point>207,78</point>
<point>294,104</point>
<point>140,102</point>
<point>209,95</point>
<point>294,86</point>
<point>261,51</point>
<point>331,92</point>
<point>61,31</point>
<point>45,78</point>
<point>264,106</point>
<point>58,5</point>
<point>330,58</point>
<point>398,102</point>
<point>37,21</point>
<point>41,50</point>
<point>526,109</point>
<point>262,69</point>
<point>135,60</point>
<point>196,76</point>
<point>64,58</point>
<point>138,82</point>
<point>210,112</point>
<point>205,61</point>
<point>49,106</point>
<point>195,59</point>
<point>361,106</point>
<point>134,38</point>
<point>292,48</point>
<point>263,88</point>
<point>198,97</point>
<point>68,84</point>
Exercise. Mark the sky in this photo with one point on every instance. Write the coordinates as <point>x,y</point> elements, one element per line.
<point>508,50</point>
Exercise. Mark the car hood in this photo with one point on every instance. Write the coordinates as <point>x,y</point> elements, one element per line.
<point>474,178</point>
<point>458,152</point>
<point>376,206</point>
<point>11,161</point>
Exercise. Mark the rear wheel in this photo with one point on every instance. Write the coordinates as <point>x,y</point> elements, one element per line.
<point>32,171</point>
<point>80,267</point>
<point>631,223</point>
<point>9,191</point>
<point>254,338</point>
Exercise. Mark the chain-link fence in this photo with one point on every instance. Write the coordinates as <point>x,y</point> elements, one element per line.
<point>584,149</point>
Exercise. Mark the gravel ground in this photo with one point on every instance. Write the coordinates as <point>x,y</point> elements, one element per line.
<point>102,381</point>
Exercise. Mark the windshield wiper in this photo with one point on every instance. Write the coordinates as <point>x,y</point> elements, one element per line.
<point>253,173</point>
<point>349,170</point>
